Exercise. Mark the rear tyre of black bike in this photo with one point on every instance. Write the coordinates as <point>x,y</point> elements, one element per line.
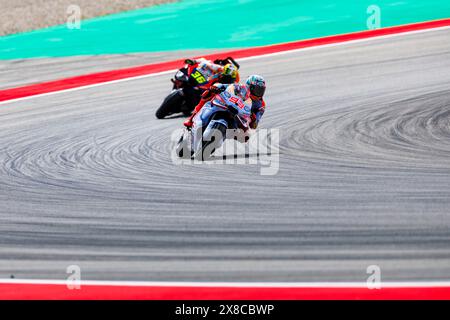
<point>172,104</point>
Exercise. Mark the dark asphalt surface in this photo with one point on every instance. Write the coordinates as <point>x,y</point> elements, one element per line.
<point>86,177</point>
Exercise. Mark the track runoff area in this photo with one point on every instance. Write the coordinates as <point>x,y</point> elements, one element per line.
<point>49,289</point>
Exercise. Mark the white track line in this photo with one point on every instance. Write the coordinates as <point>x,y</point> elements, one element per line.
<point>243,59</point>
<point>231,284</point>
<point>89,86</point>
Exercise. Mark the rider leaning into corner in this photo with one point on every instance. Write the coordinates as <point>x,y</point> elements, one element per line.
<point>217,71</point>
<point>214,72</point>
<point>252,92</point>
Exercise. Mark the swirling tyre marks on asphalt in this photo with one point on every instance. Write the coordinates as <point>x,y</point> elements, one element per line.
<point>408,133</point>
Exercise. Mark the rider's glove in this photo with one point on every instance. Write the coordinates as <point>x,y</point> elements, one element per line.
<point>190,62</point>
<point>253,122</point>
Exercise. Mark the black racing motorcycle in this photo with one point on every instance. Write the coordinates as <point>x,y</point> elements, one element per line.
<point>188,86</point>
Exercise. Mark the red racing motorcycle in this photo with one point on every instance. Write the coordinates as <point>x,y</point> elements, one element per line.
<point>188,86</point>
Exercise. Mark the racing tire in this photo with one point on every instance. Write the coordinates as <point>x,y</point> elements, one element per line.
<point>217,130</point>
<point>182,146</point>
<point>172,104</point>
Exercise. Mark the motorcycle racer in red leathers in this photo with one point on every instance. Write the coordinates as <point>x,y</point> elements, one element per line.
<point>254,89</point>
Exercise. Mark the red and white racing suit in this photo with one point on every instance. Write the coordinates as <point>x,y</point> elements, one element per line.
<point>258,104</point>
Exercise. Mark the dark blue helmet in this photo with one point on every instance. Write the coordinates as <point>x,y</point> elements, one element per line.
<point>257,85</point>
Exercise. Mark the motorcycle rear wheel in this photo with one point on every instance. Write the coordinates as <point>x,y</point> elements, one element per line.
<point>172,104</point>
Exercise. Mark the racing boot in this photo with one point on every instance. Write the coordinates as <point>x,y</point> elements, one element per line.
<point>188,123</point>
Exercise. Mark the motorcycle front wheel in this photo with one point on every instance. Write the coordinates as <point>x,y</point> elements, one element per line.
<point>211,141</point>
<point>183,148</point>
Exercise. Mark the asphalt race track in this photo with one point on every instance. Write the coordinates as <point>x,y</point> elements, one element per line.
<point>86,177</point>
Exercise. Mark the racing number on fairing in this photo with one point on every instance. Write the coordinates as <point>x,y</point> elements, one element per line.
<point>198,77</point>
<point>237,101</point>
